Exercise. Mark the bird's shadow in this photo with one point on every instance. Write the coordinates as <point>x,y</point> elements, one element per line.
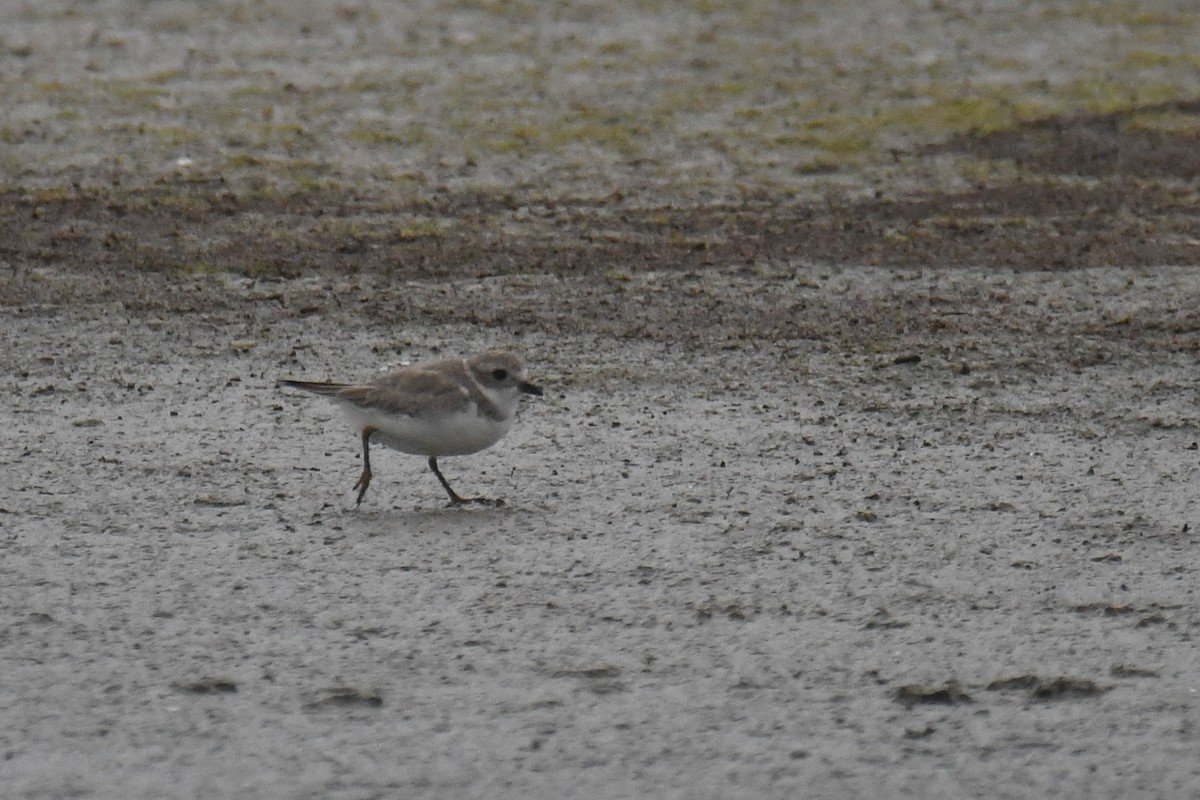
<point>443,518</point>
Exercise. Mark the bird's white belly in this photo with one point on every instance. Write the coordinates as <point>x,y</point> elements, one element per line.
<point>449,435</point>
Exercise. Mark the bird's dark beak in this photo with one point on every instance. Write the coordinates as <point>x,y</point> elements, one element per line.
<point>529,388</point>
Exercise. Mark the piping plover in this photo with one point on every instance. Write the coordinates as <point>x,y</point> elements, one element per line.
<point>444,408</point>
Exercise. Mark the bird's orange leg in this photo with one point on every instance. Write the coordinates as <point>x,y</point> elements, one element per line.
<point>364,480</point>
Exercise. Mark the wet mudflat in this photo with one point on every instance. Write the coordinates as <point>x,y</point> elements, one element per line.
<point>856,476</point>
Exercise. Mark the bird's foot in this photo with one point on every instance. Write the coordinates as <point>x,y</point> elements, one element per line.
<point>364,480</point>
<point>457,500</point>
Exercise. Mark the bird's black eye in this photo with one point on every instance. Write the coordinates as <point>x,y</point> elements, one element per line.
<point>499,374</point>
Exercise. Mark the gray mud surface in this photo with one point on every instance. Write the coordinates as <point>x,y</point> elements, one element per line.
<point>867,465</point>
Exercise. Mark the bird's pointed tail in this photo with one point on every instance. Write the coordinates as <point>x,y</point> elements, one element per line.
<point>316,387</point>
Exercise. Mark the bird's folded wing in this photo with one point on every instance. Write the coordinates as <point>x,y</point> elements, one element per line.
<point>412,392</point>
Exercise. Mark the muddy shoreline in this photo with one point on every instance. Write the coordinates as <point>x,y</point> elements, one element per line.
<point>867,461</point>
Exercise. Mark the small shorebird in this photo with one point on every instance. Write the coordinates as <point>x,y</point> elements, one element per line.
<point>444,408</point>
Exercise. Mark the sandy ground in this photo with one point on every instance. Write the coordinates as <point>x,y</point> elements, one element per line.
<point>856,475</point>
